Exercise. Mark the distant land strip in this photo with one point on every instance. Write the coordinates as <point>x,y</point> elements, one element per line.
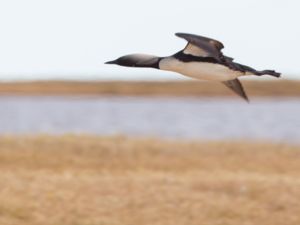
<point>261,88</point>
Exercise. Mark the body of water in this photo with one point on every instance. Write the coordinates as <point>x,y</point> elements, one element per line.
<point>200,118</point>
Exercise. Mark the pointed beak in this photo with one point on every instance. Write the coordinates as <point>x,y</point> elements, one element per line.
<point>111,62</point>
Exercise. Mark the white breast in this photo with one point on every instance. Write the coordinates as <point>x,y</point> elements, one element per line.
<point>199,70</point>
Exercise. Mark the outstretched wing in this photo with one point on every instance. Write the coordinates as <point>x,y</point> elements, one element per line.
<point>237,87</point>
<point>202,46</point>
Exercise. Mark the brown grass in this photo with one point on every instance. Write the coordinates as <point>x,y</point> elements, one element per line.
<point>277,87</point>
<point>85,180</point>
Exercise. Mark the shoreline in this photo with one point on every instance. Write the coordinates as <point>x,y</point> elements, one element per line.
<point>264,88</point>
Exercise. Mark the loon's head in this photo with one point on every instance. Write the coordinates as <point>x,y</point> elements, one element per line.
<point>137,60</point>
<point>127,60</point>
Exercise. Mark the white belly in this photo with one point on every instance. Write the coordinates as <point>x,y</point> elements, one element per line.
<point>199,70</point>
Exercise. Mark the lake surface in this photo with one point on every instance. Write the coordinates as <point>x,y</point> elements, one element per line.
<point>201,118</point>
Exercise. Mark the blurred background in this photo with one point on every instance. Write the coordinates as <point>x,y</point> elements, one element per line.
<point>64,39</point>
<point>86,143</point>
<point>63,45</point>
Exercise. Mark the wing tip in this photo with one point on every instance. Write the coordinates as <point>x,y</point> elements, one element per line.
<point>237,87</point>
<point>219,45</point>
<point>180,34</point>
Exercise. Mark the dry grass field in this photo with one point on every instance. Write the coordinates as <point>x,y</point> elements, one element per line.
<point>275,87</point>
<point>89,180</point>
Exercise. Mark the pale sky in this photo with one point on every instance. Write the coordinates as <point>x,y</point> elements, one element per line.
<point>42,39</point>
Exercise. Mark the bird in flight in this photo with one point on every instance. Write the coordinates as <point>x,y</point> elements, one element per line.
<point>201,58</point>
